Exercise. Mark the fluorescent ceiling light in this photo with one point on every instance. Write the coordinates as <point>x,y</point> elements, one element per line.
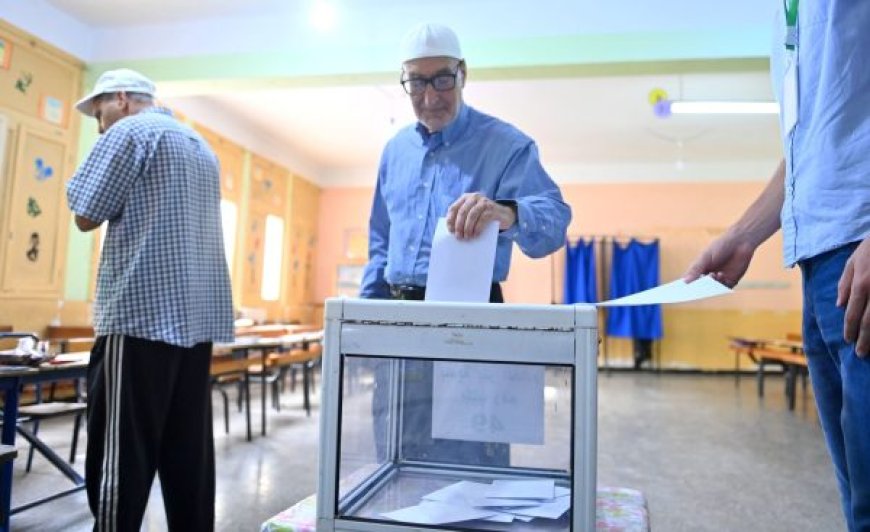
<point>721,108</point>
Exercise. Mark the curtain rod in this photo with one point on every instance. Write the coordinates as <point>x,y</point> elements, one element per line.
<point>612,237</point>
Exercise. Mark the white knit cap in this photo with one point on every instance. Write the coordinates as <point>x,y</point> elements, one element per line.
<point>430,40</point>
<point>120,80</point>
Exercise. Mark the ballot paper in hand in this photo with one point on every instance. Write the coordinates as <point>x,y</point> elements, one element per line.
<point>678,291</point>
<point>461,270</point>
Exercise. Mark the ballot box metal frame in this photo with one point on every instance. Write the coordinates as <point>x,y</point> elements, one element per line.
<point>557,335</point>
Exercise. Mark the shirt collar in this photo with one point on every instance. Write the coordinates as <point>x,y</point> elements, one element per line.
<point>157,109</point>
<point>451,131</point>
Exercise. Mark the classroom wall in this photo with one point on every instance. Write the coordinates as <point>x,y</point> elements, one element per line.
<point>684,216</point>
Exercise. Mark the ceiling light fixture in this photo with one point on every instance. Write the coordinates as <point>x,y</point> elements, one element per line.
<point>322,15</point>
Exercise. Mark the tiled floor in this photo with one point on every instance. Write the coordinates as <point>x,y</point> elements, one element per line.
<point>708,455</point>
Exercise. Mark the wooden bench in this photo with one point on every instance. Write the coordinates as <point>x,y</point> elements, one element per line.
<point>284,361</point>
<point>225,370</point>
<point>787,353</point>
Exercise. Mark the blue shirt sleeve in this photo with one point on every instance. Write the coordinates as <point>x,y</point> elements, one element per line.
<point>542,214</point>
<point>374,286</point>
<point>100,187</point>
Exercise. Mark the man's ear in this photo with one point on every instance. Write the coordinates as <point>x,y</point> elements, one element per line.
<point>462,72</point>
<point>123,102</point>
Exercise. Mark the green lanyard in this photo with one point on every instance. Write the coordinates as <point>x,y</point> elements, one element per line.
<point>791,15</point>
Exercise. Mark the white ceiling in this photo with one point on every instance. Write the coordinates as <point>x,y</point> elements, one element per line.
<point>576,121</point>
<point>332,133</point>
<point>115,13</point>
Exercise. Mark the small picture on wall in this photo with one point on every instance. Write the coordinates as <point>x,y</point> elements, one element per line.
<point>5,54</point>
<point>52,110</point>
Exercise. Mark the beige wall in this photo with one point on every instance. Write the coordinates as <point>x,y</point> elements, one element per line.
<point>683,216</point>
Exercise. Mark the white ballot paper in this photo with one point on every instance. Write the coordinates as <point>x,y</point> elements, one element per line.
<point>479,402</point>
<point>437,513</point>
<point>461,270</point>
<point>501,403</point>
<point>678,291</point>
<point>469,501</point>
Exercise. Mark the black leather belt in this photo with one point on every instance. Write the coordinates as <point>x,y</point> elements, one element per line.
<point>418,293</point>
<point>410,292</point>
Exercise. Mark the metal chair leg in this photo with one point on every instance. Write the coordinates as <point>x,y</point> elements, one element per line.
<point>31,451</point>
<point>75,439</point>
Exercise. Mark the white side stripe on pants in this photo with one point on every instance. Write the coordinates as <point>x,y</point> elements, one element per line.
<point>112,363</point>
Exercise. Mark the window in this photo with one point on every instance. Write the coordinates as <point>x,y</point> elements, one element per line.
<point>273,251</point>
<point>229,220</point>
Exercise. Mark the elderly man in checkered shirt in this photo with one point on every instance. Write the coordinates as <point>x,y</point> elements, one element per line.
<point>163,296</point>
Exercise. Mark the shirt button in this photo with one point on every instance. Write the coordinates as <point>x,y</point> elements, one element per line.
<point>525,225</point>
<point>419,216</point>
<point>410,248</point>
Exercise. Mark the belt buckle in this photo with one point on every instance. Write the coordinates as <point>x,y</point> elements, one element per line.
<point>406,292</point>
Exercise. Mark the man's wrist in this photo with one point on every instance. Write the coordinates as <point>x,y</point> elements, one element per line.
<point>512,214</point>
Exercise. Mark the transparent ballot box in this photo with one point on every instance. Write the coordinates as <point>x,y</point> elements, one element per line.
<point>457,417</point>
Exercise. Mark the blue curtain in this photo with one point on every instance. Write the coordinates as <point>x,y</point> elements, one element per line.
<point>580,278</point>
<point>634,267</point>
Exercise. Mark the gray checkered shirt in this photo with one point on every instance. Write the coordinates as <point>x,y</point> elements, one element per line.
<point>163,274</point>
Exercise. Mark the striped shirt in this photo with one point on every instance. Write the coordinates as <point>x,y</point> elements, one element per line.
<point>163,274</point>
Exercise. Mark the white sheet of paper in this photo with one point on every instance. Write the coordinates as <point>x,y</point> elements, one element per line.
<point>522,489</point>
<point>500,518</point>
<point>461,270</point>
<point>674,292</point>
<point>464,490</point>
<point>549,510</point>
<point>488,402</point>
<point>437,513</point>
<point>790,94</point>
<point>490,502</point>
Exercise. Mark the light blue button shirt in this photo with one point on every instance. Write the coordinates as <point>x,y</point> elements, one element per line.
<point>421,175</point>
<point>827,185</point>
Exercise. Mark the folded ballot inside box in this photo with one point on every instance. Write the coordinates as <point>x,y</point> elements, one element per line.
<point>458,417</point>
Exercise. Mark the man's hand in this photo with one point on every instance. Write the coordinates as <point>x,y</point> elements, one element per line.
<point>473,211</point>
<point>85,225</point>
<point>726,259</point>
<point>853,291</point>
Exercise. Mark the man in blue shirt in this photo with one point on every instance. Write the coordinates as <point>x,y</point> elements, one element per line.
<point>820,197</point>
<point>163,296</point>
<point>459,163</point>
<point>471,168</point>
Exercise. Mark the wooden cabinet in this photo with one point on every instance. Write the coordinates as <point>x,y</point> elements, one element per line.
<point>38,137</point>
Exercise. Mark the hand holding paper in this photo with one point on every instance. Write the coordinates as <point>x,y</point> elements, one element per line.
<point>678,291</point>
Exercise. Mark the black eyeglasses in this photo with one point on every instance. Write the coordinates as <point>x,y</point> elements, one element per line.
<point>439,82</point>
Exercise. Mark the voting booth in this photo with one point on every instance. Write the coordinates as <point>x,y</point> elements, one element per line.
<point>457,416</point>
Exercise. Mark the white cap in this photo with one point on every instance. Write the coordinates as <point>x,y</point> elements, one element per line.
<point>121,80</point>
<point>430,40</point>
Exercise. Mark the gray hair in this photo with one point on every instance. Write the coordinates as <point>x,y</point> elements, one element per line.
<point>141,97</point>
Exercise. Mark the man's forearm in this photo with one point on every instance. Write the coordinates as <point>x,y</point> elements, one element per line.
<point>761,219</point>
